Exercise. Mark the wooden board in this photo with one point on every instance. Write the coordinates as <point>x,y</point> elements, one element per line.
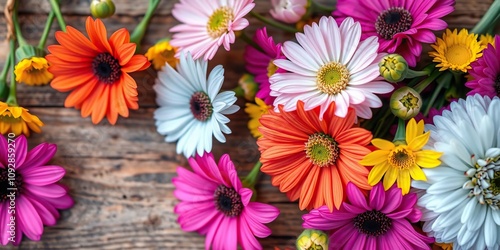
<point>120,176</point>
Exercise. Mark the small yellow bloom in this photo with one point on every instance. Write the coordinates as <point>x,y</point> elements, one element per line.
<point>255,111</point>
<point>162,52</point>
<point>18,120</point>
<point>312,239</point>
<point>33,71</point>
<point>398,162</point>
<point>442,246</point>
<point>456,51</point>
<point>484,40</point>
<point>405,103</point>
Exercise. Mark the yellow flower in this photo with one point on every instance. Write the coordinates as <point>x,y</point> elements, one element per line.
<point>18,120</point>
<point>162,52</point>
<point>456,51</point>
<point>400,161</point>
<point>486,39</point>
<point>33,71</point>
<point>255,111</point>
<point>312,239</point>
<point>442,246</point>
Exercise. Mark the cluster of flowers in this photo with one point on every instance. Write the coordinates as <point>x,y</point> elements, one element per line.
<point>321,107</point>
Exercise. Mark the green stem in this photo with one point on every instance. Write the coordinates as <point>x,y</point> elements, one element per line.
<point>489,19</point>
<point>250,42</point>
<point>46,30</point>
<point>322,7</point>
<point>413,73</point>
<point>424,83</point>
<point>400,136</point>
<point>5,70</point>
<point>17,28</point>
<point>12,99</point>
<point>251,179</point>
<point>273,23</point>
<point>140,29</point>
<point>57,11</point>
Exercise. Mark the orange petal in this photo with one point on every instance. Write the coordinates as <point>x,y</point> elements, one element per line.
<point>124,53</point>
<point>119,37</point>
<point>136,63</point>
<point>309,188</point>
<point>338,189</point>
<point>97,34</point>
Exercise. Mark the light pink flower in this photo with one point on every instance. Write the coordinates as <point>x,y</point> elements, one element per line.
<point>288,11</point>
<point>37,197</point>
<point>330,64</point>
<point>214,203</point>
<point>206,25</point>
<point>401,26</point>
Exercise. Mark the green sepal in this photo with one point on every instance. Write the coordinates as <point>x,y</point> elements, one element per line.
<point>28,51</point>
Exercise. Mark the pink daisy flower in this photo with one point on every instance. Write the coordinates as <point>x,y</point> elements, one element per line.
<point>214,203</point>
<point>330,64</point>
<point>401,26</point>
<point>206,25</point>
<point>261,63</point>
<point>486,72</point>
<point>381,221</point>
<point>29,192</point>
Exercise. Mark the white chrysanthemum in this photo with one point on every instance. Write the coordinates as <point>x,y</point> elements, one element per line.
<point>462,195</point>
<point>191,109</point>
<point>330,64</point>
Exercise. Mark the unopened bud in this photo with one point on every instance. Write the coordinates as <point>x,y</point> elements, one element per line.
<point>312,239</point>
<point>102,8</point>
<point>247,87</point>
<point>393,68</point>
<point>405,103</point>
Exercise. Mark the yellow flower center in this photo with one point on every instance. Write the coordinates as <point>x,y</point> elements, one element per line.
<point>322,150</point>
<point>402,158</point>
<point>332,78</point>
<point>271,68</point>
<point>458,54</point>
<point>218,21</point>
<point>168,53</point>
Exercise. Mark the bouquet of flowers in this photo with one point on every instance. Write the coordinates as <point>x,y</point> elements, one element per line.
<point>383,145</point>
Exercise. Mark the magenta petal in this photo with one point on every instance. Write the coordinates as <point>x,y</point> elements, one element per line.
<point>188,180</point>
<point>3,151</point>
<point>231,234</point>
<point>50,191</point>
<point>356,242</point>
<point>221,239</point>
<point>29,218</point>
<point>257,227</point>
<point>39,155</point>
<point>63,202</point>
<point>246,237</point>
<point>371,243</point>
<point>246,196</point>
<point>198,217</point>
<point>393,198</point>
<point>408,233</point>
<point>340,237</point>
<point>263,213</point>
<point>353,209</point>
<point>212,232</point>
<point>4,221</point>
<point>21,149</point>
<point>356,197</point>
<point>235,181</point>
<point>48,214</point>
<point>377,197</point>
<point>43,175</point>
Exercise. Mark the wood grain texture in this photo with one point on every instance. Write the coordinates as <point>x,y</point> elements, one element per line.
<point>120,176</point>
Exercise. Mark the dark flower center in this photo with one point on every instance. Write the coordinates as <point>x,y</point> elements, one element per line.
<point>200,106</point>
<point>228,201</point>
<point>393,21</point>
<point>9,184</point>
<point>373,223</point>
<point>106,68</point>
<point>497,85</point>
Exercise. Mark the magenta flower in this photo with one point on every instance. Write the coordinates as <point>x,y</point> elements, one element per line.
<point>401,26</point>
<point>261,63</point>
<point>214,203</point>
<point>380,222</point>
<point>486,72</point>
<point>29,192</point>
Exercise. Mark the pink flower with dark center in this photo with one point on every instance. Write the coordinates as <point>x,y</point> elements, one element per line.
<point>401,26</point>
<point>381,221</point>
<point>486,72</point>
<point>214,203</point>
<point>29,193</point>
<point>261,63</point>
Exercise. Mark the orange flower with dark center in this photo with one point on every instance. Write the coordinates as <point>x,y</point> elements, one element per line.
<point>312,159</point>
<point>96,71</point>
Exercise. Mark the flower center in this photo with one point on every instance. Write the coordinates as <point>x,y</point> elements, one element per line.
<point>392,21</point>
<point>271,68</point>
<point>332,78</point>
<point>106,68</point>
<point>9,185</point>
<point>219,21</point>
<point>484,181</point>
<point>410,101</point>
<point>401,157</point>
<point>458,54</point>
<point>200,106</point>
<point>228,201</point>
<point>497,85</point>
<point>168,53</point>
<point>373,223</point>
<point>322,150</point>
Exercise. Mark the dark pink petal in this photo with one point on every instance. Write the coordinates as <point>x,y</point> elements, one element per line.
<point>340,237</point>
<point>353,209</point>
<point>356,197</point>
<point>48,214</point>
<point>63,202</point>
<point>198,217</point>
<point>246,237</point>
<point>356,242</point>
<point>3,151</point>
<point>246,196</point>
<point>231,233</point>
<point>189,181</point>
<point>406,232</point>
<point>317,221</point>
<point>371,243</point>
<point>257,227</point>
<point>21,149</point>
<point>43,175</point>
<point>393,198</point>
<point>261,212</point>
<point>49,191</point>
<point>235,181</point>
<point>28,218</point>
<point>212,231</point>
<point>39,155</point>
<point>4,220</point>
<point>377,197</point>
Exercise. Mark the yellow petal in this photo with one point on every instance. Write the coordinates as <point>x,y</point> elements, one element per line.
<point>404,181</point>
<point>428,158</point>
<point>411,130</point>
<point>374,158</point>
<point>390,177</point>
<point>419,142</point>
<point>416,173</point>
<point>420,127</point>
<point>377,172</point>
<point>16,111</point>
<point>383,144</point>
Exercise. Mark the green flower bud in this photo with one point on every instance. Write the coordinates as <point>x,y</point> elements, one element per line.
<point>311,239</point>
<point>28,51</point>
<point>405,103</point>
<point>393,68</point>
<point>247,87</point>
<point>102,8</point>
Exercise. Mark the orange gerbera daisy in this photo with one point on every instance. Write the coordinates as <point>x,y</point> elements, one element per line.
<point>96,71</point>
<point>312,159</point>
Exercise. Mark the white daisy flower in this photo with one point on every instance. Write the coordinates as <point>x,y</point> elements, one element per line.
<point>330,64</point>
<point>462,196</point>
<point>191,107</point>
